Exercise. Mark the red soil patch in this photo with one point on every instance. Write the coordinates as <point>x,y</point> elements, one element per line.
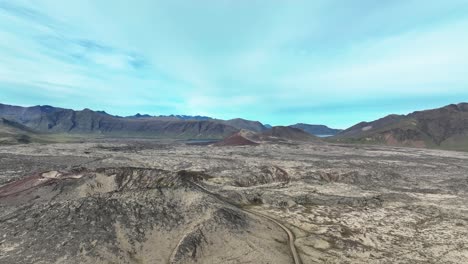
<point>35,180</point>
<point>22,185</point>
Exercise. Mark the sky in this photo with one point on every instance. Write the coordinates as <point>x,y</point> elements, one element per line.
<point>330,62</point>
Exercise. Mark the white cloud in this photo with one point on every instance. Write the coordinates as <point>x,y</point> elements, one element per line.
<point>235,56</point>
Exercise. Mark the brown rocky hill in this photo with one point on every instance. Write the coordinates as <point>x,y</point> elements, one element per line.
<point>445,128</point>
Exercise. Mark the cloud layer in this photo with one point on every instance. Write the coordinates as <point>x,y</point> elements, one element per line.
<point>280,62</point>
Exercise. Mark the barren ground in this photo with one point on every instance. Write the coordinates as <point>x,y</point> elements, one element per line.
<point>344,203</point>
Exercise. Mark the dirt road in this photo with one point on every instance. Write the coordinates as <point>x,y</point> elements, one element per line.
<point>291,237</point>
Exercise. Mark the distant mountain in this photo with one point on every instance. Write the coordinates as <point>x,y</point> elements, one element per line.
<point>246,124</point>
<point>274,134</point>
<point>139,116</point>
<point>59,120</point>
<point>238,123</point>
<point>317,130</point>
<point>171,117</point>
<point>288,133</point>
<point>445,128</point>
<point>186,117</point>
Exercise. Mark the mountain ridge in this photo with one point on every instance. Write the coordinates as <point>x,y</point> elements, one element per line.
<point>445,127</point>
<point>60,120</point>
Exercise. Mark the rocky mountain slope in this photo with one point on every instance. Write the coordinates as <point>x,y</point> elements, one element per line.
<point>317,130</point>
<point>445,128</point>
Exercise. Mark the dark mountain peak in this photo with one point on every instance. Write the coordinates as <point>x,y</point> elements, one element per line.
<point>47,108</point>
<point>138,115</point>
<point>241,119</point>
<point>185,117</point>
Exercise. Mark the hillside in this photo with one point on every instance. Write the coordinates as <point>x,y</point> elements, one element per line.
<point>15,133</point>
<point>445,128</point>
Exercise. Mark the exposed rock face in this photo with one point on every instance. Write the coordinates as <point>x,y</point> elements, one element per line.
<point>317,130</point>
<point>445,127</point>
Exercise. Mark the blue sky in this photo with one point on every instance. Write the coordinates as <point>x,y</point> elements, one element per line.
<point>328,62</point>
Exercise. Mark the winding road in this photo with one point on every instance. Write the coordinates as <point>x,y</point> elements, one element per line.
<point>291,237</point>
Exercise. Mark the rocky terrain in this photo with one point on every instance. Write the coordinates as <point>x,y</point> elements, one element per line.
<point>147,201</point>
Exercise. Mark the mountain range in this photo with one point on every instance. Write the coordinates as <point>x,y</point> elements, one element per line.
<point>445,127</point>
<point>49,119</point>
